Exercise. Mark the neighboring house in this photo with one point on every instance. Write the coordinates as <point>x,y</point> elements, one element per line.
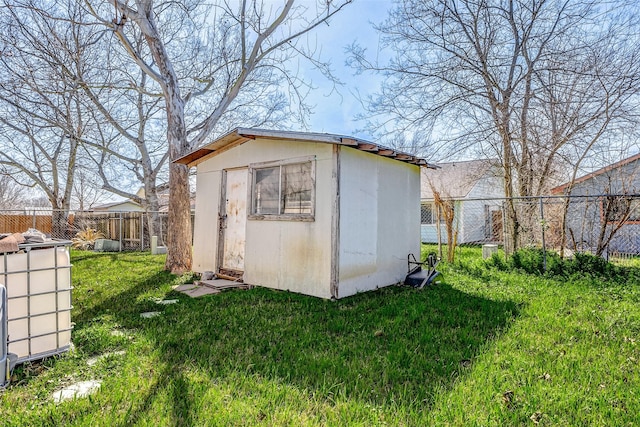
<point>318,214</point>
<point>121,206</point>
<point>163,199</point>
<point>38,210</point>
<point>129,205</point>
<point>476,187</point>
<point>604,215</point>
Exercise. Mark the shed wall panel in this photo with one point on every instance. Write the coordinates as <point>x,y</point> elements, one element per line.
<point>287,255</point>
<point>379,220</point>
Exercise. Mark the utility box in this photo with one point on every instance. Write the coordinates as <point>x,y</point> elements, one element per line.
<point>155,249</point>
<point>38,287</point>
<point>106,245</point>
<point>489,250</point>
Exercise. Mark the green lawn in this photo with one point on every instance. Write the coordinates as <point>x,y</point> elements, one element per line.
<point>483,347</point>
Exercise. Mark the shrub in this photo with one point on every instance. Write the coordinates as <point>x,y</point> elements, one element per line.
<point>497,261</point>
<point>85,239</point>
<point>591,264</point>
<point>531,261</point>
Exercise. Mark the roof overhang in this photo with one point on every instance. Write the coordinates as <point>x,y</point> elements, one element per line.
<point>241,135</point>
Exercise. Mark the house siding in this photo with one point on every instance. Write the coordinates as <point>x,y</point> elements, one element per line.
<point>584,216</point>
<point>125,206</point>
<point>429,232</point>
<point>474,223</point>
<point>470,213</point>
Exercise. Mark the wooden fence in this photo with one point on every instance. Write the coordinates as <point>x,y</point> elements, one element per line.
<point>13,223</point>
<point>128,228</point>
<point>131,229</point>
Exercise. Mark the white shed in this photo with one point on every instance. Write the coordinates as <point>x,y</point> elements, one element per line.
<point>318,214</point>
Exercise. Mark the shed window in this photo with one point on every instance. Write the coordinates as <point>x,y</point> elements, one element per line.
<point>283,191</point>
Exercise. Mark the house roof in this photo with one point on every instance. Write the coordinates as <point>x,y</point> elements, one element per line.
<point>456,179</point>
<point>242,135</point>
<point>561,188</point>
<point>106,206</point>
<point>163,200</point>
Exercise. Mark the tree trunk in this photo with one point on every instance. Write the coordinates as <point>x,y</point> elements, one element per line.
<point>59,223</point>
<point>511,218</point>
<point>179,230</point>
<point>179,224</point>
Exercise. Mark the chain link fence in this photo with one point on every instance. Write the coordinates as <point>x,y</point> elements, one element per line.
<point>606,225</point>
<point>131,230</point>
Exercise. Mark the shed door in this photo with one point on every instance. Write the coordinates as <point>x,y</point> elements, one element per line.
<point>234,220</point>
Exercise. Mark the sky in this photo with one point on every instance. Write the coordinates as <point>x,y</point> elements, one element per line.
<point>335,112</point>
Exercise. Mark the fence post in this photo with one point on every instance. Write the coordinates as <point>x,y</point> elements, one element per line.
<point>120,229</point>
<point>142,231</point>
<point>505,245</point>
<point>543,225</point>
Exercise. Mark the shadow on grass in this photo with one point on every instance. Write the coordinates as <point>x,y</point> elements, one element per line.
<point>121,300</point>
<point>395,345</point>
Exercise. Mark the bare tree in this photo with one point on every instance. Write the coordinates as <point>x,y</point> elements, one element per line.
<point>131,151</point>
<point>446,210</point>
<point>87,191</point>
<point>11,194</point>
<point>217,58</point>
<point>42,113</point>
<point>116,145</point>
<point>616,211</point>
<point>522,80</point>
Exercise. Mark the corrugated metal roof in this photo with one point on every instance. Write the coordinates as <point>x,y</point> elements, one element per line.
<point>456,179</point>
<point>242,135</point>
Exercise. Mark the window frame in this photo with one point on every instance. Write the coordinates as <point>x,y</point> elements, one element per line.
<point>434,213</point>
<point>634,205</point>
<point>253,167</point>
